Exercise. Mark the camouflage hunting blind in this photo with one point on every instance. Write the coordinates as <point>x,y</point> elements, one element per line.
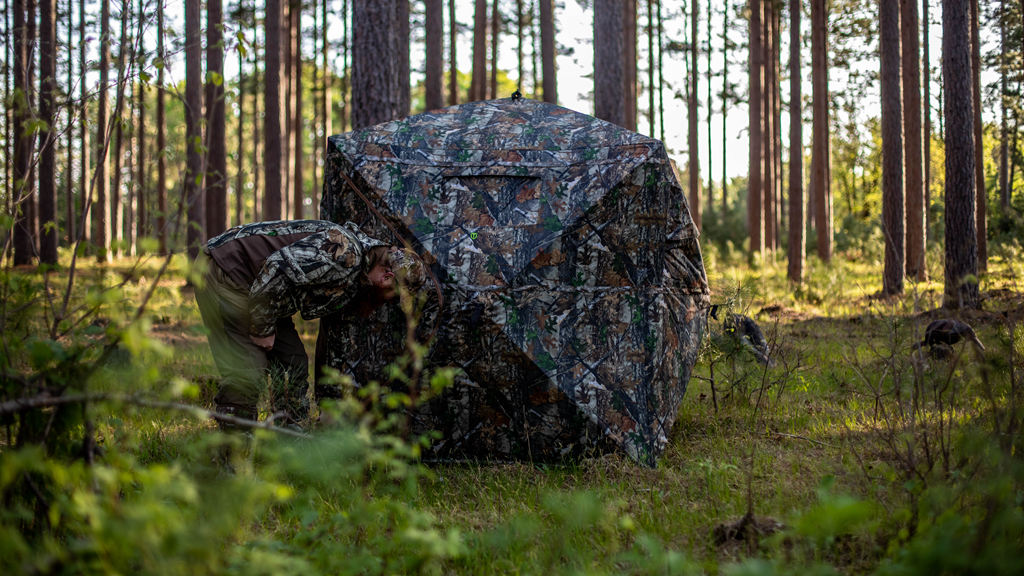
<point>572,290</point>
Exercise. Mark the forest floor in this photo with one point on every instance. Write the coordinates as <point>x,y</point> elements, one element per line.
<point>847,455</point>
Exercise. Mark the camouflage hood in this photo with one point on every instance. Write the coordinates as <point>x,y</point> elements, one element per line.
<point>571,281</point>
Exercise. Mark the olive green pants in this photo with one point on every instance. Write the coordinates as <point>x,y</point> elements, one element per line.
<point>243,365</point>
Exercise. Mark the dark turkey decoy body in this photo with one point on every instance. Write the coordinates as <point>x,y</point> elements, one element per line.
<point>948,331</point>
<point>746,332</point>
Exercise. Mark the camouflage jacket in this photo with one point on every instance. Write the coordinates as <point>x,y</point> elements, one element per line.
<point>316,274</point>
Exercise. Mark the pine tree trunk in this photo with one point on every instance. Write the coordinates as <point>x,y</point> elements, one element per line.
<point>101,205</point>
<point>375,94</point>
<point>629,62</point>
<point>117,229</point>
<point>20,101</point>
<point>346,69</point>
<point>216,136</point>
<point>519,46</point>
<point>768,118</point>
<point>434,76</point>
<point>708,77</point>
<point>1004,102</point>
<point>650,68</point>
<point>661,74</point>
<point>780,206</point>
<point>258,130</point>
<point>927,113</point>
<point>325,52</point>
<point>478,83</point>
<point>196,234</point>
<point>243,80</point>
<point>797,251</point>
<point>142,161</point>
<point>298,174</point>
<point>71,228</point>
<point>961,266</point>
<point>693,117</point>
<point>495,36</point>
<point>725,107</point>
<point>914,155</point>
<point>402,38</point>
<point>547,50</point>
<point>821,184</point>
<point>48,232</point>
<point>609,99</point>
<point>755,191</point>
<point>453,71</point>
<point>85,145</point>
<point>892,147</point>
<point>161,136</point>
<point>288,105</point>
<point>535,50</point>
<point>272,152</point>
<point>979,148</point>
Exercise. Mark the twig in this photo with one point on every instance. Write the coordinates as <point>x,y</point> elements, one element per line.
<point>798,437</point>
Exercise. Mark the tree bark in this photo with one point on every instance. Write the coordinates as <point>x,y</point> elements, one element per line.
<point>650,69</point>
<point>495,37</point>
<point>755,191</point>
<point>609,96</point>
<point>161,135</point>
<point>961,265</point>
<point>101,206</point>
<point>142,161</point>
<point>693,117</point>
<point>257,132</point>
<point>892,147</point>
<point>298,173</point>
<point>797,251</point>
<point>375,94</point>
<point>927,112</point>
<point>243,80</point>
<point>1004,101</point>
<point>216,136</point>
<point>402,39</point>
<point>478,83</point>
<point>519,46</point>
<point>725,107</point>
<point>768,131</point>
<point>434,76</point>
<point>85,146</point>
<point>272,158</point>
<point>196,234</point>
<point>453,71</point>
<point>821,183</point>
<point>48,229</point>
<point>21,193</point>
<point>979,145</point>
<point>117,228</point>
<point>71,226</point>
<point>707,54</point>
<point>547,50</point>
<point>629,62</point>
<point>911,76</point>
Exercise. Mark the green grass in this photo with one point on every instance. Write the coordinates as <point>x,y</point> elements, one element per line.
<point>817,443</point>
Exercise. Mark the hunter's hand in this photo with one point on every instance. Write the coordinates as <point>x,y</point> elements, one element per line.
<point>265,342</point>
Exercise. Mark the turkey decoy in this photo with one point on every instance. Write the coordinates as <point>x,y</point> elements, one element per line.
<point>948,332</point>
<point>746,332</point>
